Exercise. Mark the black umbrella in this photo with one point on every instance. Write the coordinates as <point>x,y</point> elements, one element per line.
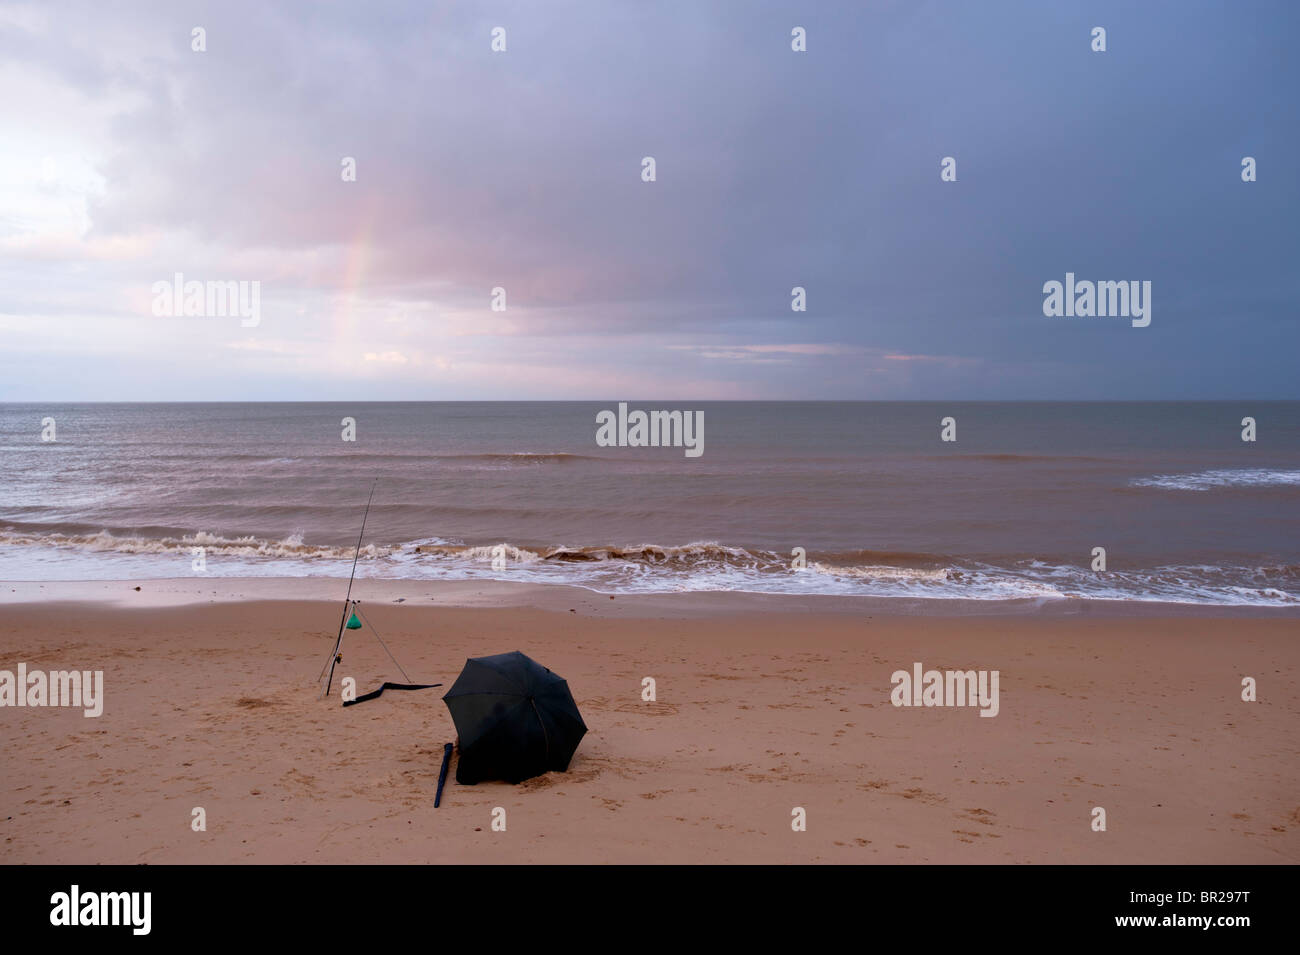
<point>515,718</point>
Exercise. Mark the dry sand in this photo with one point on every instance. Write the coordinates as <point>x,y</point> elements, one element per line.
<point>760,709</point>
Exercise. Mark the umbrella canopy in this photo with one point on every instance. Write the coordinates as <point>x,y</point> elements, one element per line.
<point>515,718</point>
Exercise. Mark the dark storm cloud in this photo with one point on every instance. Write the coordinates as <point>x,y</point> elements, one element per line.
<point>775,169</point>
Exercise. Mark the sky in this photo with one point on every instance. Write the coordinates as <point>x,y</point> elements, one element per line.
<point>129,157</point>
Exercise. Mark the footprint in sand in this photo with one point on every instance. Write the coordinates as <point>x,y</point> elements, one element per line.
<point>982,816</point>
<point>647,709</point>
<point>922,796</point>
<point>253,703</point>
<point>299,783</point>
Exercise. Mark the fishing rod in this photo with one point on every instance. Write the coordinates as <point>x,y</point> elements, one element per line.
<point>347,601</point>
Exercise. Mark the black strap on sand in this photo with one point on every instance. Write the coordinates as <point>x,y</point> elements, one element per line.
<point>392,686</point>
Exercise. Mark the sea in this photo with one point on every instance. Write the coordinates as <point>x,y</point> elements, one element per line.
<point>834,498</point>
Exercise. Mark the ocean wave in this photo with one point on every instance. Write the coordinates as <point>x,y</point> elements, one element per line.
<point>900,558</point>
<point>648,568</point>
<point>1223,477</point>
<point>375,457</point>
<point>522,457</point>
<point>1009,456</point>
<point>698,552</point>
<point>213,545</point>
<point>885,572</point>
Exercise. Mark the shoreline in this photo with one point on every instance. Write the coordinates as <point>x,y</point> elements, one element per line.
<point>148,593</point>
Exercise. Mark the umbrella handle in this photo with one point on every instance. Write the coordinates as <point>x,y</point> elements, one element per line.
<point>442,774</point>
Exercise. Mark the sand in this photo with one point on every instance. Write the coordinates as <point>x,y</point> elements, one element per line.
<point>761,707</point>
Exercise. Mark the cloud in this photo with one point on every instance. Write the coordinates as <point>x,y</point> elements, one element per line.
<point>129,157</point>
<point>769,353</point>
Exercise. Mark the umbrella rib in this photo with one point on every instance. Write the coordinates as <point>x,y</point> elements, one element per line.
<point>546,737</point>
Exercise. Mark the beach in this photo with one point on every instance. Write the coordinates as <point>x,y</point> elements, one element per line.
<point>763,705</point>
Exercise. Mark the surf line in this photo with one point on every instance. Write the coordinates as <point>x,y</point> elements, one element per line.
<point>652,429</point>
